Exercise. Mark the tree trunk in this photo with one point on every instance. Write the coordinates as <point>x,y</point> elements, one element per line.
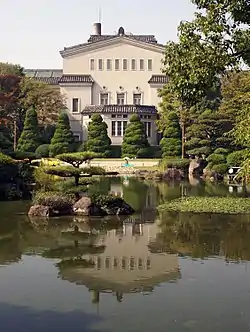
<point>77,177</point>
<point>183,134</point>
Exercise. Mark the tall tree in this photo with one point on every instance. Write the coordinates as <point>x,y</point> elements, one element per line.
<point>171,141</point>
<point>135,142</point>
<point>63,139</point>
<point>11,69</point>
<point>98,139</point>
<point>208,46</point>
<point>29,139</point>
<point>47,100</point>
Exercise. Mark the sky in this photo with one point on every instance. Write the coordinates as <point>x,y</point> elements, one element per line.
<point>34,31</point>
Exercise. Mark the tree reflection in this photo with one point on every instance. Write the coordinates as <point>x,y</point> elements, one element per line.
<point>204,235</point>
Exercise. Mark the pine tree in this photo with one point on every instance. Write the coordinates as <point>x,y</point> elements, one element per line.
<point>63,139</point>
<point>30,138</point>
<point>98,140</point>
<point>135,142</point>
<point>171,141</point>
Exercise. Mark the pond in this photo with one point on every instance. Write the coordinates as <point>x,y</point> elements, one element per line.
<point>187,272</point>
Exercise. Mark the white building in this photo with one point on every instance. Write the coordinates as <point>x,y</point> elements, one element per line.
<point>114,75</point>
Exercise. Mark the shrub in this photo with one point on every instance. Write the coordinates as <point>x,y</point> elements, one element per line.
<point>171,142</point>
<point>22,155</point>
<point>43,180</point>
<point>55,200</point>
<point>216,158</point>
<point>94,170</point>
<point>8,168</point>
<point>98,140</point>
<point>63,139</point>
<point>116,151</point>
<point>221,151</point>
<point>135,138</point>
<point>42,151</point>
<point>182,164</point>
<point>199,151</point>
<point>221,169</point>
<point>236,158</point>
<point>29,139</point>
<point>77,158</point>
<point>6,160</point>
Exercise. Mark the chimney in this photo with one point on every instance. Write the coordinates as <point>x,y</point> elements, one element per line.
<point>97,29</point>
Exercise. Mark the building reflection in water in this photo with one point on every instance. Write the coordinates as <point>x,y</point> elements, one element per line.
<point>126,265</point>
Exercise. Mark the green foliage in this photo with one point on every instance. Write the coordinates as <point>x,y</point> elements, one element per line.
<point>220,169</point>
<point>55,200</point>
<point>10,69</point>
<point>6,143</point>
<point>216,158</point>
<point>22,155</point>
<point>182,164</point>
<point>63,139</point>
<point>221,151</point>
<point>171,142</point>
<point>77,158</point>
<point>135,143</point>
<point>94,170</point>
<point>63,171</point>
<point>6,160</point>
<point>29,139</point>
<point>116,151</point>
<point>98,140</point>
<point>42,151</point>
<point>236,158</point>
<point>43,180</point>
<point>208,205</point>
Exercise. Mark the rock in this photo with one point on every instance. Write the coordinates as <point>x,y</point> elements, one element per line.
<point>196,166</point>
<point>82,207</point>
<point>113,206</point>
<point>39,211</point>
<point>47,211</point>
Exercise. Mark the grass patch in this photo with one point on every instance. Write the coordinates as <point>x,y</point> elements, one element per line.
<point>227,205</point>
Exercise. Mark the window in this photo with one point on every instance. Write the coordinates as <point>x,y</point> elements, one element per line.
<point>92,64</point>
<point>125,64</point>
<point>117,64</point>
<point>109,64</point>
<point>75,105</point>
<point>100,64</point>
<point>150,64</point>
<point>147,126</point>
<point>118,128</point>
<point>133,64</point>
<point>141,64</point>
<point>113,128</point>
<point>104,99</point>
<point>120,98</point>
<point>77,137</point>
<point>137,99</point>
<point>107,262</point>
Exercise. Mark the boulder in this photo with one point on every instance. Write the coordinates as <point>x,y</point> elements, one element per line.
<point>39,211</point>
<point>196,166</point>
<point>110,206</point>
<point>45,211</point>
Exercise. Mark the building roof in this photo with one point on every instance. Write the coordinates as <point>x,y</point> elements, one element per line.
<point>158,79</point>
<point>94,40</point>
<point>76,79</point>
<point>138,109</point>
<point>49,76</point>
<point>55,76</point>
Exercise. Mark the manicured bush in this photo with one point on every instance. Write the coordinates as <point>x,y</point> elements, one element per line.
<point>135,142</point>
<point>21,155</point>
<point>199,151</point>
<point>55,200</point>
<point>182,164</point>
<point>8,168</point>
<point>77,158</point>
<point>216,158</point>
<point>29,139</point>
<point>171,142</point>
<point>42,151</point>
<point>43,180</point>
<point>98,140</point>
<point>63,139</point>
<point>220,169</point>
<point>236,158</point>
<point>221,151</point>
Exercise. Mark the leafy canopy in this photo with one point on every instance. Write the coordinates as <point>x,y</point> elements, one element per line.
<point>29,139</point>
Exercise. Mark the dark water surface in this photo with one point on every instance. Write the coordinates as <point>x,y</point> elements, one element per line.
<point>146,273</point>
